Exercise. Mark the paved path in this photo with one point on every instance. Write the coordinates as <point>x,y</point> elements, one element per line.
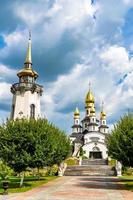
<point>76,188</point>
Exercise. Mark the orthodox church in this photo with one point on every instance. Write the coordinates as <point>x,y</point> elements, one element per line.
<point>26,93</point>
<point>90,133</point>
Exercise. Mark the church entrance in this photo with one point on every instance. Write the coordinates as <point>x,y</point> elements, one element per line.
<point>95,153</point>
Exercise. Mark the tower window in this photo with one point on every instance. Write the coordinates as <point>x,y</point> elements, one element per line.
<point>32,111</point>
<point>87,112</point>
<point>93,128</point>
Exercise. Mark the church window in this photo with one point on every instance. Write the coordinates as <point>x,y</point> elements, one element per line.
<point>32,111</point>
<point>87,112</point>
<point>93,128</point>
<point>77,121</point>
<point>103,122</point>
<point>85,125</point>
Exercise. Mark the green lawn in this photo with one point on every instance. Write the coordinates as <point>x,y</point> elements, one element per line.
<point>128,182</point>
<point>29,183</point>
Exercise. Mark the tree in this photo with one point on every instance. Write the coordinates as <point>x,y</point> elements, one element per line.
<point>120,141</point>
<point>32,143</point>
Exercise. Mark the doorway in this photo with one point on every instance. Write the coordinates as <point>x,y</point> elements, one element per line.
<point>95,155</point>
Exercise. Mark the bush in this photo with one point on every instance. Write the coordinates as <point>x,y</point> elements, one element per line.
<point>112,162</point>
<point>128,171</point>
<point>52,171</point>
<point>72,161</point>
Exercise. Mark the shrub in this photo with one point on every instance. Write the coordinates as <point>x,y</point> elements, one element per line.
<point>52,171</point>
<point>72,161</point>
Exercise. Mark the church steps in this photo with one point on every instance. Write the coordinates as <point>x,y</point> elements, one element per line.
<point>94,162</point>
<point>89,170</point>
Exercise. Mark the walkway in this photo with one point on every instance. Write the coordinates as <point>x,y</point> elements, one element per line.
<point>76,188</point>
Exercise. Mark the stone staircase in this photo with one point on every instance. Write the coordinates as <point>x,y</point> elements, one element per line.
<point>94,162</point>
<point>90,168</point>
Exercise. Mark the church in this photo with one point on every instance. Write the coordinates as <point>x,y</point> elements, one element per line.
<point>90,133</point>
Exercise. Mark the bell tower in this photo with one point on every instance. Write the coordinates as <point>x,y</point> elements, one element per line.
<point>26,93</point>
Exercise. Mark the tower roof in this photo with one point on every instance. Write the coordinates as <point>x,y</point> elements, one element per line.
<point>89,97</point>
<point>103,113</point>
<point>27,70</point>
<point>76,113</point>
<point>28,59</point>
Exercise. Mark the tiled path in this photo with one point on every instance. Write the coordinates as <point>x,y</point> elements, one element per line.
<point>76,188</point>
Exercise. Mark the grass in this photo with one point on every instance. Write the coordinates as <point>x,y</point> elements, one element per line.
<point>128,182</point>
<point>29,183</point>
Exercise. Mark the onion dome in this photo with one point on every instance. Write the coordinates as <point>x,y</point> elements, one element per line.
<point>76,113</point>
<point>103,113</point>
<point>89,100</point>
<point>27,70</point>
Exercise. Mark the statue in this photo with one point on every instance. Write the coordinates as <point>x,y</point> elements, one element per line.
<point>119,168</point>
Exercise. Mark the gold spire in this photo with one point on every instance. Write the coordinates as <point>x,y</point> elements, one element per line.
<point>103,113</point>
<point>76,113</point>
<point>28,59</point>
<point>89,100</point>
<point>27,70</point>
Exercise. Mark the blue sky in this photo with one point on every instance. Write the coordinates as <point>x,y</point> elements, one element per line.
<point>74,42</point>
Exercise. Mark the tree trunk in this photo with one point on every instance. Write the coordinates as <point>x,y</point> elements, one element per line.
<point>22,180</point>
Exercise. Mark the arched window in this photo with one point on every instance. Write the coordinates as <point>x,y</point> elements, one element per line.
<point>32,111</point>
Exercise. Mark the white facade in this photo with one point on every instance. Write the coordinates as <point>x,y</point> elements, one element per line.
<point>21,105</point>
<point>91,132</point>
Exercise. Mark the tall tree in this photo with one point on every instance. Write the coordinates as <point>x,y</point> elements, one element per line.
<point>120,141</point>
<point>32,143</point>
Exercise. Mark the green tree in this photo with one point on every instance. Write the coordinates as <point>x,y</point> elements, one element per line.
<point>120,141</point>
<point>32,143</point>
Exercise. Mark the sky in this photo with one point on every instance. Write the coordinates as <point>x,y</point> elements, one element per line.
<point>74,42</point>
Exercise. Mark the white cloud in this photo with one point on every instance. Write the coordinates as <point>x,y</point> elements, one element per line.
<point>5,94</point>
<point>71,89</point>
<point>6,72</point>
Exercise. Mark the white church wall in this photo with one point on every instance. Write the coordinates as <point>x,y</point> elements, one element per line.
<point>89,148</point>
<point>22,104</point>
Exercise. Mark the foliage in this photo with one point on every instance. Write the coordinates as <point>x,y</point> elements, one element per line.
<point>81,152</point>
<point>32,143</point>
<point>112,162</point>
<point>5,171</point>
<point>120,142</point>
<point>72,161</point>
<point>53,171</point>
<point>128,171</point>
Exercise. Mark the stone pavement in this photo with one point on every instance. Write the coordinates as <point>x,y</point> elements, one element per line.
<point>76,188</point>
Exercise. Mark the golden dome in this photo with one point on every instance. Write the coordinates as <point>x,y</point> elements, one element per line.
<point>27,72</point>
<point>76,113</point>
<point>89,98</point>
<point>102,115</point>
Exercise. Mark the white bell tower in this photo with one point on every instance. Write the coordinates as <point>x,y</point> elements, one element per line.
<point>26,93</point>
